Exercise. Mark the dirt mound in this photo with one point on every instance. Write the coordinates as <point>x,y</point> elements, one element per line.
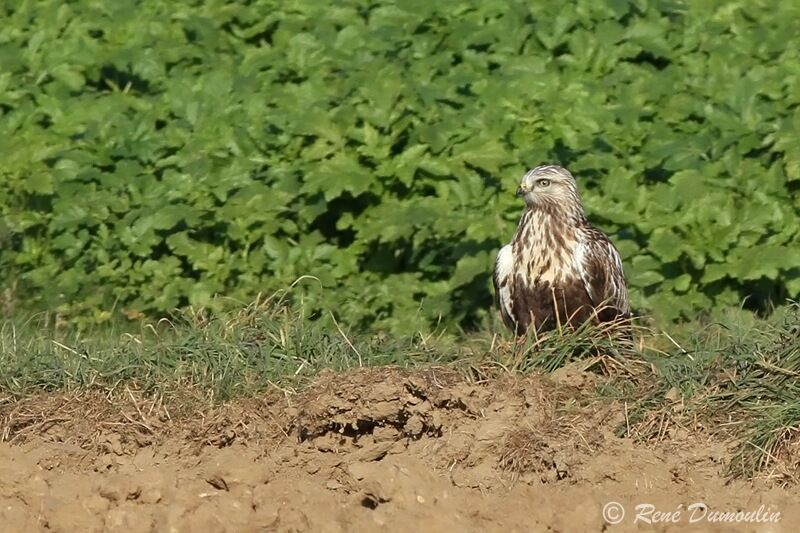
<point>371,450</point>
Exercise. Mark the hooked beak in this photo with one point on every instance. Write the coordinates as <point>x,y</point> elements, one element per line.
<point>521,191</point>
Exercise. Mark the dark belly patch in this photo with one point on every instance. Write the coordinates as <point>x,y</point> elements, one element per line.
<point>543,306</point>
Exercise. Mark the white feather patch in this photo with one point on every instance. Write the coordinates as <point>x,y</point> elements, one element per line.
<point>504,268</point>
<point>580,255</point>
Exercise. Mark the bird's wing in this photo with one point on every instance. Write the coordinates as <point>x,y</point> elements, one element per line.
<point>602,273</point>
<point>503,272</point>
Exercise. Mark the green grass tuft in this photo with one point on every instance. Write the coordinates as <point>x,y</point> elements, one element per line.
<point>227,354</point>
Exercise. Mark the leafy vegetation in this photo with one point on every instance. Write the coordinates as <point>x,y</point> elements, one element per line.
<point>158,153</point>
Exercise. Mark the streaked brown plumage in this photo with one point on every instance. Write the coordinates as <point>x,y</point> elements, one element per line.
<point>558,268</point>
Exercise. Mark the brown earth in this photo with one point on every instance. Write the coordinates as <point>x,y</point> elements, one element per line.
<point>371,450</point>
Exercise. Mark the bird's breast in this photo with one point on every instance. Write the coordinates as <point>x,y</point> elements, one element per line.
<point>553,266</point>
<point>547,252</point>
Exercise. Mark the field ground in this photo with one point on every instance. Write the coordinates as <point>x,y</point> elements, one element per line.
<point>380,449</point>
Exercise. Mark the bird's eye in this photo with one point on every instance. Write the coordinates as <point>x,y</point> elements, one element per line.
<point>543,182</point>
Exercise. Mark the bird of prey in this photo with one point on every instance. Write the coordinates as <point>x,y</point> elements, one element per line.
<point>558,270</point>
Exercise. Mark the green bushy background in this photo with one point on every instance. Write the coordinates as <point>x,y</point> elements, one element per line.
<point>158,153</point>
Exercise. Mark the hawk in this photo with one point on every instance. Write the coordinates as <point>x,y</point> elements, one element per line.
<point>558,269</point>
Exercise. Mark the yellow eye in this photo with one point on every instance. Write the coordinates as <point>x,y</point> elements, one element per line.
<point>543,182</point>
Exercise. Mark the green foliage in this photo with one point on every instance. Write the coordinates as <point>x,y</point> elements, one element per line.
<point>158,153</point>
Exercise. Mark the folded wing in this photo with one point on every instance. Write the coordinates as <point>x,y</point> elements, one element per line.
<point>604,278</point>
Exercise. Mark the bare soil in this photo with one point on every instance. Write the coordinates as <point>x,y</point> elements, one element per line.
<point>370,450</point>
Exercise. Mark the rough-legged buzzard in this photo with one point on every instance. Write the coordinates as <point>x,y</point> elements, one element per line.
<point>558,269</point>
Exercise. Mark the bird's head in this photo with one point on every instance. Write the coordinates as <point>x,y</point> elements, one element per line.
<point>552,188</point>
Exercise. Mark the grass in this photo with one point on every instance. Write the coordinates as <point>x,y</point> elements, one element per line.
<point>736,372</point>
<point>264,344</point>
